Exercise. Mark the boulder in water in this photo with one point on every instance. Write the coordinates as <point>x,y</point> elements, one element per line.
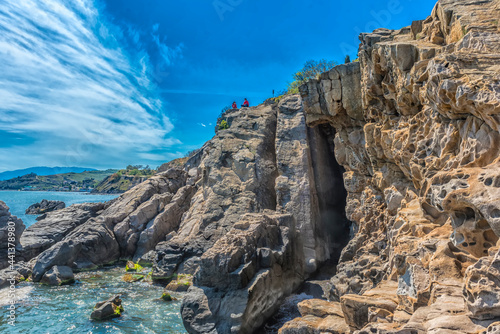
<point>45,206</point>
<point>58,275</point>
<point>108,309</point>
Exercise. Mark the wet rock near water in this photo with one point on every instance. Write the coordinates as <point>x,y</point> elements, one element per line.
<point>54,226</point>
<point>45,206</point>
<point>58,275</point>
<point>108,309</point>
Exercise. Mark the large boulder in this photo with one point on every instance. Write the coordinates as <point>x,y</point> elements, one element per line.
<point>246,273</point>
<point>58,275</point>
<point>45,206</point>
<point>89,246</point>
<point>108,309</point>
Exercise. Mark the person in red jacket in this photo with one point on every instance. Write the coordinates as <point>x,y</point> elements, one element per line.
<point>234,106</point>
<point>245,103</point>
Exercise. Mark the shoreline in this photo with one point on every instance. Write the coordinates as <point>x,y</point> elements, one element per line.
<point>58,191</point>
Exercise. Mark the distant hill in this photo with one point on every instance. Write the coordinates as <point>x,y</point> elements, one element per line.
<point>124,179</point>
<point>42,171</point>
<point>84,181</point>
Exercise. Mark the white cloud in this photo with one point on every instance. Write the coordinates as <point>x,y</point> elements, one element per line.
<point>69,84</point>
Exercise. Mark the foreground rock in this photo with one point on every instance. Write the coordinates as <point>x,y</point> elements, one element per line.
<point>108,309</point>
<point>54,226</point>
<point>58,275</point>
<point>115,232</point>
<point>45,206</point>
<point>12,275</point>
<point>11,229</point>
<point>318,316</point>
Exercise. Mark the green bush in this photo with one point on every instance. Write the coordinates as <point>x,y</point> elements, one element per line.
<point>312,69</point>
<point>223,125</point>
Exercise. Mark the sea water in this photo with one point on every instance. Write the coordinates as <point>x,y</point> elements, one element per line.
<point>66,309</point>
<point>19,201</point>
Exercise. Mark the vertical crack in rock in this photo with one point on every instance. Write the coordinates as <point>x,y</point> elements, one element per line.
<point>333,228</point>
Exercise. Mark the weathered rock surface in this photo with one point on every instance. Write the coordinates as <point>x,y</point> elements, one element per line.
<point>12,275</point>
<point>269,212</point>
<point>54,226</point>
<point>114,233</point>
<point>318,316</point>
<point>11,229</point>
<point>417,131</point>
<point>45,206</point>
<point>58,275</point>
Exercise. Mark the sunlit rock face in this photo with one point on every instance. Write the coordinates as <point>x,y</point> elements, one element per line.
<point>417,131</point>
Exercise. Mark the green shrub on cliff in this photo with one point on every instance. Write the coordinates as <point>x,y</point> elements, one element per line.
<point>223,125</point>
<point>312,70</point>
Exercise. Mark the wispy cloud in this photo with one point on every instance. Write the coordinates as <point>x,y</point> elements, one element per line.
<point>70,85</point>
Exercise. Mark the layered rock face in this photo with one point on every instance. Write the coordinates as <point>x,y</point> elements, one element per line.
<point>115,232</point>
<point>258,217</point>
<point>417,130</point>
<point>54,226</point>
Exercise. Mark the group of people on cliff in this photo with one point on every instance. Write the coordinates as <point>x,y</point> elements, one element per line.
<point>245,104</point>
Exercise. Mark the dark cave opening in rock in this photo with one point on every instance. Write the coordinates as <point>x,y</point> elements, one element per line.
<point>331,193</point>
<point>333,227</point>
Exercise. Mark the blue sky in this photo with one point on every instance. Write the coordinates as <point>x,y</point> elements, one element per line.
<point>107,83</point>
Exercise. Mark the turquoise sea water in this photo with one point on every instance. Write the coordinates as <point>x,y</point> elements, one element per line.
<point>19,201</point>
<point>66,309</point>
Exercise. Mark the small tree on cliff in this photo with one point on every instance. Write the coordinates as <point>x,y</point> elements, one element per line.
<point>311,69</point>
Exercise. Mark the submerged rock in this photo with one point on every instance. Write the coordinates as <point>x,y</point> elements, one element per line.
<point>132,278</point>
<point>58,275</point>
<point>45,206</point>
<point>167,297</point>
<point>180,284</point>
<point>108,309</point>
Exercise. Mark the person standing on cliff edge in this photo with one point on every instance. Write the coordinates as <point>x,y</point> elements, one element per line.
<point>245,104</point>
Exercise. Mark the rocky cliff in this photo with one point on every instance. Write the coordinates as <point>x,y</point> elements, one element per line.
<point>387,167</point>
<point>420,146</point>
